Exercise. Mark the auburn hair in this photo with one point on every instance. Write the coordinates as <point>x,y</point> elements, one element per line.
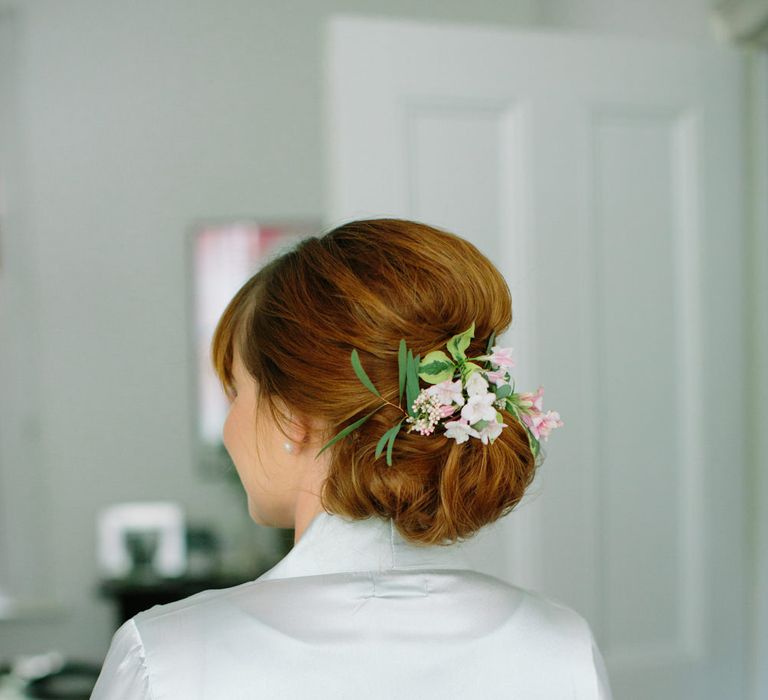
<point>366,284</point>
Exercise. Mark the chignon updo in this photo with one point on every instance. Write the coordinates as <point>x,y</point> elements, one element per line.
<point>366,284</point>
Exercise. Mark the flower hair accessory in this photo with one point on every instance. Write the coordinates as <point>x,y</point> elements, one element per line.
<point>466,405</point>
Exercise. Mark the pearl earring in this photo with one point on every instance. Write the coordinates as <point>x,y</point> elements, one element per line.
<point>288,446</point>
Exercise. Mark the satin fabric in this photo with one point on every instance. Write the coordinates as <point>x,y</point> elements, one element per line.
<point>356,611</point>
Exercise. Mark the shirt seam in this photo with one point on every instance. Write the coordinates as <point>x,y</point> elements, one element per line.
<point>143,659</point>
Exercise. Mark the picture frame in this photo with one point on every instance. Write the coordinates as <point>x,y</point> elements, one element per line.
<point>222,254</point>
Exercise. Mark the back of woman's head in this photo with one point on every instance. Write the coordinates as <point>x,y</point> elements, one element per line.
<point>366,284</point>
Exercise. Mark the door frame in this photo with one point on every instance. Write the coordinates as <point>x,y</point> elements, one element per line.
<point>757,368</point>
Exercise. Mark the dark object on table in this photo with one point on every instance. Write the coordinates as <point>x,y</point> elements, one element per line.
<point>74,681</point>
<point>133,596</point>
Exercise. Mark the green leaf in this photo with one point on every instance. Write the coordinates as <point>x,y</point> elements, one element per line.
<point>468,368</point>
<point>436,367</point>
<point>480,424</point>
<point>412,380</point>
<point>387,438</point>
<point>346,431</point>
<point>459,343</point>
<point>360,372</point>
<point>401,366</point>
<point>382,441</point>
<point>503,391</point>
<point>394,432</point>
<point>491,342</point>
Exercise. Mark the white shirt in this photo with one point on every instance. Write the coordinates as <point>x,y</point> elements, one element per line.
<point>356,611</point>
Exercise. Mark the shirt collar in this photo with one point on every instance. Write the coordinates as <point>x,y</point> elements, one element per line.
<point>334,544</point>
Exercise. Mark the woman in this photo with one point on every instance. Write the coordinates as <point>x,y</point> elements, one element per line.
<point>372,412</point>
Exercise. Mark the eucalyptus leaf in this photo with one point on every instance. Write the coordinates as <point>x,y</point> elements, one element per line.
<point>346,431</point>
<point>412,380</point>
<point>360,372</point>
<point>503,391</point>
<point>402,359</point>
<point>393,432</point>
<point>380,444</point>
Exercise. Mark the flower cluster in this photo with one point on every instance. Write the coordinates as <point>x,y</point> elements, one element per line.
<point>478,414</point>
<point>539,423</point>
<point>477,402</point>
<point>467,405</point>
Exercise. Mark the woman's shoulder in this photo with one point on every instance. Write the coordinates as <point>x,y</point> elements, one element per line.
<point>544,613</point>
<point>197,604</point>
<point>482,600</point>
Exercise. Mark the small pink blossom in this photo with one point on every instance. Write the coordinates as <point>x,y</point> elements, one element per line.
<point>541,424</point>
<point>446,410</point>
<point>500,377</point>
<point>502,357</point>
<point>448,392</point>
<point>529,400</point>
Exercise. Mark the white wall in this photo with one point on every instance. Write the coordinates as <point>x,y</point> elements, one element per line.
<point>135,120</point>
<point>662,19</point>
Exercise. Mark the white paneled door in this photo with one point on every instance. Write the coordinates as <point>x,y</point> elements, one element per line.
<point>603,176</point>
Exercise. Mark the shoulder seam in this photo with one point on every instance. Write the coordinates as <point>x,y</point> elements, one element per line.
<point>143,658</point>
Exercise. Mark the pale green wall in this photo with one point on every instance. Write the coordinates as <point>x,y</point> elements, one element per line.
<point>134,120</point>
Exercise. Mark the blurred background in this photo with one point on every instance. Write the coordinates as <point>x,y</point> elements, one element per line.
<point>610,156</point>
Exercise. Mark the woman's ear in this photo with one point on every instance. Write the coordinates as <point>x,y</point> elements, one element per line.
<point>299,427</point>
<point>303,430</point>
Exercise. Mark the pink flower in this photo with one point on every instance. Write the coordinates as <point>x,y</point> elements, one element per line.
<point>448,392</point>
<point>500,377</point>
<point>529,400</point>
<point>541,424</point>
<point>552,420</point>
<point>446,410</point>
<point>502,357</point>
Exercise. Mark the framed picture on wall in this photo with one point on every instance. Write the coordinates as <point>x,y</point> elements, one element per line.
<point>222,256</point>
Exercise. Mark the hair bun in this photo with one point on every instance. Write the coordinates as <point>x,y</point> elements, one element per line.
<point>364,286</point>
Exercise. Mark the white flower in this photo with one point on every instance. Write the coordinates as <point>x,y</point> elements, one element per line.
<point>448,392</point>
<point>480,407</point>
<point>476,384</point>
<point>491,431</point>
<point>460,430</point>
